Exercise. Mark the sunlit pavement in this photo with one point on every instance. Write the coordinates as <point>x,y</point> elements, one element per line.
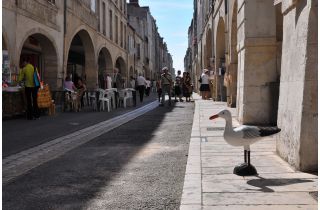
<point>210,182</point>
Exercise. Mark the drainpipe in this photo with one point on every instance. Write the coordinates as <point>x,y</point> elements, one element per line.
<point>64,39</point>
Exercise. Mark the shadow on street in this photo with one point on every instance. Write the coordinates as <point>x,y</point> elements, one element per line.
<point>139,165</point>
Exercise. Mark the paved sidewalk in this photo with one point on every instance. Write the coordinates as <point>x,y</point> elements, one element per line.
<point>211,184</point>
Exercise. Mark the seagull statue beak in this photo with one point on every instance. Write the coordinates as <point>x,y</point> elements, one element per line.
<point>213,117</point>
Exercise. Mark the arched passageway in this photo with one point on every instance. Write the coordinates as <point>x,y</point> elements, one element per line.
<point>81,59</point>
<point>104,67</point>
<point>42,54</point>
<point>220,61</point>
<point>121,65</point>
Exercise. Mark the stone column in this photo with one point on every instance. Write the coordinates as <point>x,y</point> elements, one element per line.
<point>257,60</point>
<point>233,83</point>
<point>298,116</point>
<point>91,70</point>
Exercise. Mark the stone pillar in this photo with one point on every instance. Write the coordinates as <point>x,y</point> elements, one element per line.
<point>298,116</point>
<point>91,70</point>
<point>257,60</point>
<point>233,83</point>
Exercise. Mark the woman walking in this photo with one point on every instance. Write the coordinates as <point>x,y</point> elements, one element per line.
<point>204,87</point>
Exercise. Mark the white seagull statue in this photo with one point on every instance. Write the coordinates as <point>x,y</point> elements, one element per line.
<point>244,135</point>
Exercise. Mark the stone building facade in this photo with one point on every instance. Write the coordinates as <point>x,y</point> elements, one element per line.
<point>83,38</point>
<point>141,20</point>
<point>135,53</point>
<point>263,55</point>
<point>66,37</point>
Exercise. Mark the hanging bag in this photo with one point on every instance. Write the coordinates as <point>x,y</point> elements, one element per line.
<point>36,78</point>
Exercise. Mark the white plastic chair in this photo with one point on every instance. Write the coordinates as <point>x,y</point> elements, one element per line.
<point>86,99</point>
<point>124,95</point>
<point>103,99</point>
<point>92,100</point>
<point>111,96</point>
<point>129,95</point>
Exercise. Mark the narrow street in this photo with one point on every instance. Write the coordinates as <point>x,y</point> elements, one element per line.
<point>83,126</point>
<point>139,165</point>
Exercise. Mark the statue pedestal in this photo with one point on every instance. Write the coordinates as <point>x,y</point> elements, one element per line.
<point>245,170</point>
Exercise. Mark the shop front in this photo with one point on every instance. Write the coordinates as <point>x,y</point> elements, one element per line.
<point>39,50</point>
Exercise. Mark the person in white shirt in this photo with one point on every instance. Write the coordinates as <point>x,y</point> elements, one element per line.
<point>141,85</point>
<point>166,85</point>
<point>204,87</point>
<point>132,82</point>
<point>148,86</point>
<point>109,81</point>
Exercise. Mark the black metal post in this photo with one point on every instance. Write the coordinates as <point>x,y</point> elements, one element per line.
<point>245,156</point>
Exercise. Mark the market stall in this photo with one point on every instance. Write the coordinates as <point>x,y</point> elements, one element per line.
<point>13,102</point>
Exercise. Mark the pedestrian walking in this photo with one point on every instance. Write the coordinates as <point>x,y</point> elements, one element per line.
<point>31,90</point>
<point>159,89</point>
<point>141,84</point>
<point>187,86</point>
<point>148,86</point>
<point>178,87</point>
<point>166,84</point>
<point>204,87</point>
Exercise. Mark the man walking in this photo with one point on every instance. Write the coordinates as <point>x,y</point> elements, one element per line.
<point>166,84</point>
<point>141,84</point>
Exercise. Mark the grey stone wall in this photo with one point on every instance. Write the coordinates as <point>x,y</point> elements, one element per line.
<point>297,116</point>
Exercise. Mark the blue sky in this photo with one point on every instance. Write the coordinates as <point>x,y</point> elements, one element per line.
<point>173,20</point>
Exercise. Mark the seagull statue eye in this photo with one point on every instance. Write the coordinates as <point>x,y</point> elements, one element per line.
<point>222,112</point>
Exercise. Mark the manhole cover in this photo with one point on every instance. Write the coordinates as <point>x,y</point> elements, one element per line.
<point>215,129</point>
<point>314,195</point>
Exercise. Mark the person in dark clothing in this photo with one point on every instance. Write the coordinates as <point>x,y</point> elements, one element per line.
<point>81,88</point>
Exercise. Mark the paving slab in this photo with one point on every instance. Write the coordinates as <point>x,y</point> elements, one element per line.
<point>244,198</point>
<point>261,207</point>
